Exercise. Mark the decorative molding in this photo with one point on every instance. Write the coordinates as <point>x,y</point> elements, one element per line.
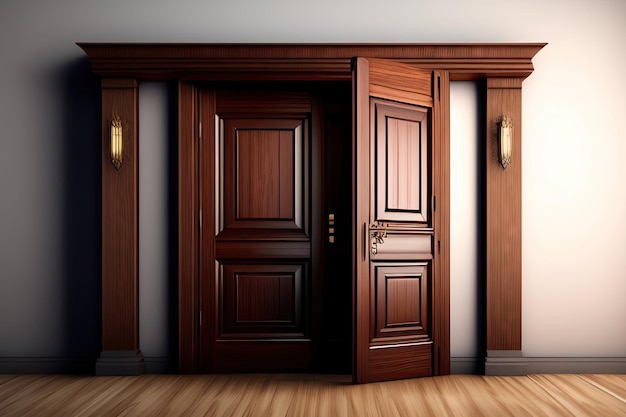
<point>189,61</point>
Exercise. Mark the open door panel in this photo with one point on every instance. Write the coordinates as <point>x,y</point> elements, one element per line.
<point>394,228</point>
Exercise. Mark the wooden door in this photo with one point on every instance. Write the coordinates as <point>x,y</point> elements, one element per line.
<point>258,255</point>
<point>393,108</point>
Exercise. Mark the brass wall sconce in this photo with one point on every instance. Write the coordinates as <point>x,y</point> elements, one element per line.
<point>505,136</point>
<point>117,145</point>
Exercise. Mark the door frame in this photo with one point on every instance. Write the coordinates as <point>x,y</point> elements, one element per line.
<point>500,67</point>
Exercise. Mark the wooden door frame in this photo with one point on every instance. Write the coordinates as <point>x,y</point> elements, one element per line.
<point>503,67</point>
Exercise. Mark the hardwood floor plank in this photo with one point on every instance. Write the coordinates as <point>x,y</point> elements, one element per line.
<point>578,397</point>
<point>311,395</point>
<point>614,385</point>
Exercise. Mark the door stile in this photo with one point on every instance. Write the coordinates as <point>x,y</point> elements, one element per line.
<point>441,221</point>
<point>207,142</point>
<point>361,202</point>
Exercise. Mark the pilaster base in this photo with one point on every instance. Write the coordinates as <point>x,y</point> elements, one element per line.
<point>505,362</point>
<point>120,363</point>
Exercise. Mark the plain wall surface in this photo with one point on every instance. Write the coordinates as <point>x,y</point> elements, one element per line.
<point>574,139</point>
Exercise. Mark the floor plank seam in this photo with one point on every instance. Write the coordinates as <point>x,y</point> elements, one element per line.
<point>602,388</point>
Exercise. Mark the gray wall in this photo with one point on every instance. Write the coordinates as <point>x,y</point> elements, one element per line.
<point>574,230</point>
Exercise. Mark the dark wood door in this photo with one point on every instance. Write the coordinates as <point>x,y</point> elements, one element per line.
<point>394,232</point>
<point>259,255</point>
<point>275,264</point>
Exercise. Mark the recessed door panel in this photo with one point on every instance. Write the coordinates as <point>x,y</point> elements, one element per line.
<point>401,295</point>
<point>401,154</point>
<point>261,300</point>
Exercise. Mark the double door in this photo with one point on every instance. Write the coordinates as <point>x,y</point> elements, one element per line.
<point>319,255</point>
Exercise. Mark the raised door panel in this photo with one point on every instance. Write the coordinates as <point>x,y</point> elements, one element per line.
<point>263,175</point>
<point>262,300</point>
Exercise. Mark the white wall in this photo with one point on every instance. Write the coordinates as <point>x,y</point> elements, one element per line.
<point>574,230</point>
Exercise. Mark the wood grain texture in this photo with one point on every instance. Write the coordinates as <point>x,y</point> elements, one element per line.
<point>441,222</point>
<point>188,215</point>
<point>385,349</point>
<point>301,61</point>
<point>504,221</point>
<point>120,312</point>
<point>311,395</point>
<point>207,189</point>
<point>361,212</point>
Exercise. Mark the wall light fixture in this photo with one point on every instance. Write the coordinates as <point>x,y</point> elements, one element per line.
<point>505,137</point>
<point>117,145</point>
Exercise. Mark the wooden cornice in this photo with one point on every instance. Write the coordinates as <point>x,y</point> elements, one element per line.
<point>301,62</point>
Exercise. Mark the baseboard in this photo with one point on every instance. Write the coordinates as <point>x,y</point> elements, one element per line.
<point>459,365</point>
<point>576,365</point>
<point>471,366</point>
<point>505,362</point>
<point>76,366</point>
<point>20,365</point>
<point>157,365</point>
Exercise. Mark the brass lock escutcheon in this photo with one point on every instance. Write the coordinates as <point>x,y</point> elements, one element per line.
<point>378,233</point>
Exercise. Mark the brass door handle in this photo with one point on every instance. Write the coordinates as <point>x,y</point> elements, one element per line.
<point>378,233</point>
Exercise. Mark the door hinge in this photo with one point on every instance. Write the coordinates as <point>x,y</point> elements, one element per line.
<point>199,130</point>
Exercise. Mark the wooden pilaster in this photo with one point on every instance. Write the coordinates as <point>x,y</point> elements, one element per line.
<point>120,318</point>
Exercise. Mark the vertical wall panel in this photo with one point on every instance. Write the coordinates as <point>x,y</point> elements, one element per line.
<point>119,220</point>
<point>504,220</point>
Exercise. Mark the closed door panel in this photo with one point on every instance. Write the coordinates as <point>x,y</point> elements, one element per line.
<point>261,287</point>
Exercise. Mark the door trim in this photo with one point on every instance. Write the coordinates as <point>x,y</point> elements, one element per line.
<point>500,66</point>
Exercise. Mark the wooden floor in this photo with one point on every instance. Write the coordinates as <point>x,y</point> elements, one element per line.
<point>311,395</point>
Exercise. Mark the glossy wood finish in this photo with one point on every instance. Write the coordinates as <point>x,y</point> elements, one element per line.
<point>259,306</point>
<point>207,288</point>
<point>120,314</point>
<point>402,155</point>
<point>393,299</point>
<point>301,61</point>
<point>280,395</point>
<point>187,228</point>
<point>441,222</point>
<point>504,220</point>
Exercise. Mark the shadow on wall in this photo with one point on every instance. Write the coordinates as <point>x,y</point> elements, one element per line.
<point>82,215</point>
